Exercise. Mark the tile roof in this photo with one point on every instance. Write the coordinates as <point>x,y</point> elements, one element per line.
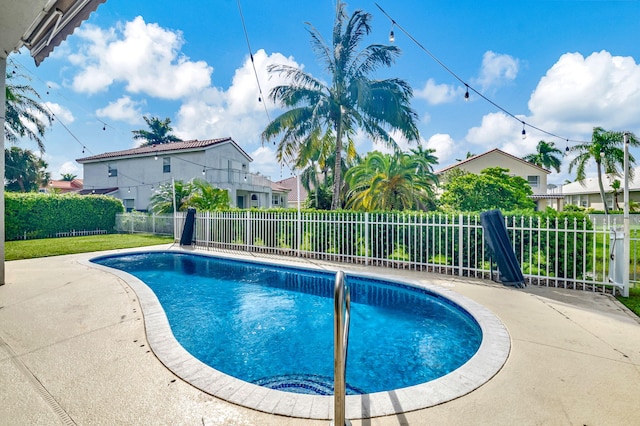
<point>290,184</point>
<point>162,148</point>
<point>496,150</point>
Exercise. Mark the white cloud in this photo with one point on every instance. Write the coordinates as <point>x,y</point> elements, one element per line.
<point>437,94</point>
<point>146,57</point>
<point>444,146</point>
<point>69,167</point>
<point>65,115</point>
<point>264,161</point>
<point>579,93</point>
<point>497,69</point>
<point>236,112</point>
<point>124,109</point>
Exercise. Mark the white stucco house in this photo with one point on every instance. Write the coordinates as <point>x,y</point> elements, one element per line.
<point>536,176</point>
<point>587,193</point>
<point>131,175</point>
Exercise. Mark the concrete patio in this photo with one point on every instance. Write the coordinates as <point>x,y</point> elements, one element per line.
<point>73,350</point>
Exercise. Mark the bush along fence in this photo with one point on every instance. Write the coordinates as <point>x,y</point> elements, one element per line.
<point>563,250</point>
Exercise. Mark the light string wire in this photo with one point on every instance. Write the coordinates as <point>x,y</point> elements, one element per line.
<point>261,99</point>
<point>469,87</point>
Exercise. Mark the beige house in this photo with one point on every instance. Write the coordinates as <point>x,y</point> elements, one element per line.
<point>536,176</point>
<point>587,194</point>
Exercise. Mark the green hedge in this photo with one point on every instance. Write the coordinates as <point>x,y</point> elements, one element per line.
<point>43,215</point>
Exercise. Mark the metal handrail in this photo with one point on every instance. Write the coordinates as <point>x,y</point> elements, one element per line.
<point>342,318</point>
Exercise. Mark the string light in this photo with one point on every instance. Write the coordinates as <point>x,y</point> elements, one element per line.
<point>466,94</point>
<point>524,132</point>
<point>392,36</point>
<point>424,49</point>
<point>204,172</point>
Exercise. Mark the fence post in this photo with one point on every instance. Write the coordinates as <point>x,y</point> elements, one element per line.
<point>366,238</point>
<point>460,245</point>
<point>247,229</point>
<point>299,230</point>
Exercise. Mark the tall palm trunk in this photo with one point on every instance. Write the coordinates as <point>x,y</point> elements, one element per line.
<point>337,168</point>
<point>601,186</point>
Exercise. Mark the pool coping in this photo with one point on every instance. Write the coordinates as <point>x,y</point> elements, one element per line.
<point>483,365</point>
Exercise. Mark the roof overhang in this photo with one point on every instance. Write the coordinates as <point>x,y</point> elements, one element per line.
<point>41,25</point>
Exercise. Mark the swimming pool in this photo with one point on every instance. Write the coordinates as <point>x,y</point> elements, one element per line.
<point>215,310</point>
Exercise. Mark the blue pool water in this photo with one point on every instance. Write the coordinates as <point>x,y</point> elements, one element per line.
<point>273,326</point>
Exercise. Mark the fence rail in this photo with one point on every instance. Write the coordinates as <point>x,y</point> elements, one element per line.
<point>560,252</point>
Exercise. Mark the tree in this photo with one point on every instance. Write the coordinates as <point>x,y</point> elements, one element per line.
<point>160,132</point>
<point>350,101</point>
<point>207,197</point>
<point>607,150</point>
<point>390,182</point>
<point>493,188</point>
<point>24,172</point>
<point>616,189</point>
<point>68,177</point>
<point>545,156</point>
<point>24,115</point>
<point>197,193</point>
<point>319,198</point>
<point>162,200</point>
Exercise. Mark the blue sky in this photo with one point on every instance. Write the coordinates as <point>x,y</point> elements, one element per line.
<point>564,66</point>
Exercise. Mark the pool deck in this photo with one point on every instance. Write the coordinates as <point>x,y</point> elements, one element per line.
<point>73,350</point>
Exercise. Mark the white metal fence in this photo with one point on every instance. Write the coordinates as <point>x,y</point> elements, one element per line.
<point>561,252</point>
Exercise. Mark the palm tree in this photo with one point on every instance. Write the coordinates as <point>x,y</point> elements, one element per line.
<point>389,182</point>
<point>160,132</point>
<point>24,115</point>
<point>24,171</point>
<point>544,156</point>
<point>163,198</point>
<point>68,177</point>
<point>606,149</point>
<point>207,197</point>
<point>428,158</point>
<point>350,101</point>
<point>616,189</point>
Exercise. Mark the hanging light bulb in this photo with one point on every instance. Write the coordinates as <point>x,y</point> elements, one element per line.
<point>129,191</point>
<point>524,132</point>
<point>259,99</point>
<point>104,127</point>
<point>204,171</point>
<point>155,157</point>
<point>392,36</point>
<point>466,94</point>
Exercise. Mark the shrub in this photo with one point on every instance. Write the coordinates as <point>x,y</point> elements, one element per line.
<point>36,215</point>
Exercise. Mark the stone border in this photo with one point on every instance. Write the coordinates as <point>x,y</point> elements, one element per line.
<point>487,361</point>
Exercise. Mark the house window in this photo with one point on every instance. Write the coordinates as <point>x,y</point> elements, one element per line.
<point>166,164</point>
<point>128,204</point>
<point>113,171</point>
<point>275,200</point>
<point>534,181</point>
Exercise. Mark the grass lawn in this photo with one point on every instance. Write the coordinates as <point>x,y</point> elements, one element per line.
<point>29,249</point>
<point>633,301</point>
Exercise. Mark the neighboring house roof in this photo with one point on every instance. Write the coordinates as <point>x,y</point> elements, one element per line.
<point>495,150</point>
<point>590,185</point>
<point>290,184</point>
<point>98,191</point>
<point>164,148</point>
<point>279,188</point>
<point>65,185</point>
